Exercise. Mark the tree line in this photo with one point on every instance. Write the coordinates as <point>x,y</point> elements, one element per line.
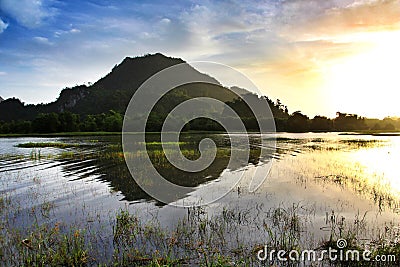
<point>112,122</point>
<point>65,122</point>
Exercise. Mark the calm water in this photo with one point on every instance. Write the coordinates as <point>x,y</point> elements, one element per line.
<point>318,173</point>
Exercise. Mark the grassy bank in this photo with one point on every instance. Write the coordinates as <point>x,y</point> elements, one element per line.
<point>47,144</point>
<point>66,134</point>
<point>373,132</point>
<point>199,239</point>
<point>77,134</point>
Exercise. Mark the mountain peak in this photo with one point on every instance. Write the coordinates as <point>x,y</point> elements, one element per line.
<point>152,59</point>
<point>135,70</point>
<point>114,91</point>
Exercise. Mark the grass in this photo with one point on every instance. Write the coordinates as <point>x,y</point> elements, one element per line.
<point>199,239</point>
<point>372,132</point>
<point>205,236</point>
<point>47,144</point>
<point>113,152</point>
<point>11,156</point>
<point>48,247</point>
<point>72,134</point>
<point>165,143</point>
<point>65,134</point>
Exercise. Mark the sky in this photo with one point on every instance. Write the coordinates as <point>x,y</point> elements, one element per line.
<point>316,56</point>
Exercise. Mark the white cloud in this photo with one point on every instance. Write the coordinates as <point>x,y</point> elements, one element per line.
<point>75,30</point>
<point>3,26</point>
<point>165,21</point>
<point>59,33</point>
<point>29,13</point>
<point>2,73</point>
<point>229,32</point>
<point>42,40</point>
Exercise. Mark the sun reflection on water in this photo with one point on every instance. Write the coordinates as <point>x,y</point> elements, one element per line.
<point>381,162</point>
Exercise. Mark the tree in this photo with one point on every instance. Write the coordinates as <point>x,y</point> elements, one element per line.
<point>113,122</point>
<point>89,124</point>
<point>389,127</point>
<point>346,122</point>
<point>321,123</point>
<point>46,123</point>
<point>69,122</point>
<point>297,122</point>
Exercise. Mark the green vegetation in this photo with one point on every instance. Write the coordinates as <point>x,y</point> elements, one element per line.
<point>68,124</point>
<point>208,236</point>
<point>298,122</point>
<point>70,134</point>
<point>153,143</point>
<point>198,239</point>
<point>49,144</point>
<point>65,122</point>
<point>373,132</point>
<point>100,106</point>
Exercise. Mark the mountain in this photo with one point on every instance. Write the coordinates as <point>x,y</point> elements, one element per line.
<point>114,91</point>
<point>1,99</point>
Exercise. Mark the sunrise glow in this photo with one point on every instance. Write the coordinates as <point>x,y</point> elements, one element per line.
<point>367,82</point>
<point>317,57</point>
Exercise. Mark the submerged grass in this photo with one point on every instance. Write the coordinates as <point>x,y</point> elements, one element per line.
<point>372,132</point>
<point>357,143</point>
<point>46,246</point>
<point>228,237</point>
<point>62,134</point>
<point>47,144</point>
<point>199,239</point>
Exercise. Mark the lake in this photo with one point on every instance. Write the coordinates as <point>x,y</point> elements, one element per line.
<point>319,186</point>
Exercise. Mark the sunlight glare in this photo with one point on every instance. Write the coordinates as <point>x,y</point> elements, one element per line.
<point>368,83</point>
<point>381,162</point>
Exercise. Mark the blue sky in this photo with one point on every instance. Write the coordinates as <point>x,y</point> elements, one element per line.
<point>291,49</point>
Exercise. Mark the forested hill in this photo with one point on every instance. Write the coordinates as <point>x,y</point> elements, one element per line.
<point>113,91</point>
<point>101,106</point>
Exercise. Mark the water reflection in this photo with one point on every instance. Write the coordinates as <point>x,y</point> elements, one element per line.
<point>108,164</point>
<point>368,165</point>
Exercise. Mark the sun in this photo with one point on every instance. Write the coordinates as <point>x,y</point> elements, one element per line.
<point>368,83</point>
